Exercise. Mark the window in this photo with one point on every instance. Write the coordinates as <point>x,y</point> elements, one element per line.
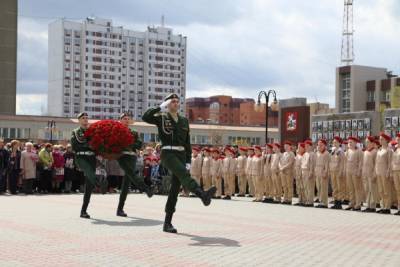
<point>371,96</point>
<point>385,96</point>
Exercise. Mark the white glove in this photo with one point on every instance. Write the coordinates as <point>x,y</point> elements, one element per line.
<point>188,166</point>
<point>164,105</point>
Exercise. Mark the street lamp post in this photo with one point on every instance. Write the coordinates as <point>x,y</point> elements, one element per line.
<point>274,107</point>
<point>51,125</point>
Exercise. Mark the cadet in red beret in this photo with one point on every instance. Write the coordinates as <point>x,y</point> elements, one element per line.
<point>241,171</point>
<point>322,173</point>
<point>286,168</point>
<point>353,174</point>
<point>250,154</point>
<point>382,168</point>
<point>396,171</point>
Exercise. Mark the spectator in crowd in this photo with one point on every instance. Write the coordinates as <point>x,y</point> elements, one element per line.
<point>139,169</point>
<point>69,169</point>
<point>28,167</point>
<point>101,176</point>
<point>46,161</point>
<point>147,171</point>
<point>149,151</point>
<point>114,175</point>
<point>58,166</point>
<point>4,157</point>
<point>14,167</point>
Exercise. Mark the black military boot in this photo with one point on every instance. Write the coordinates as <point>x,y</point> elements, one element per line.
<point>168,227</point>
<point>121,213</point>
<point>205,196</point>
<point>84,214</point>
<point>120,209</point>
<point>149,190</point>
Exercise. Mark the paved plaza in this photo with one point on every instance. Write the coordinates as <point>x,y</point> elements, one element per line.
<point>47,231</point>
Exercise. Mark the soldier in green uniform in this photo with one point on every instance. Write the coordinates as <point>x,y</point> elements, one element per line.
<point>128,163</point>
<point>173,131</point>
<point>85,160</point>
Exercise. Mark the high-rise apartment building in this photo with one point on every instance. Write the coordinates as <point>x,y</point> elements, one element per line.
<point>8,56</point>
<point>104,69</point>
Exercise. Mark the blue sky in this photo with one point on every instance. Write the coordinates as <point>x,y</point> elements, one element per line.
<point>235,47</point>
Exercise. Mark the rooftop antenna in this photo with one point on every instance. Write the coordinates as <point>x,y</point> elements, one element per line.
<point>162,21</point>
<point>347,51</point>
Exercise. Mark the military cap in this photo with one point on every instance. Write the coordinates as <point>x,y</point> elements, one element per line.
<point>371,138</point>
<point>171,96</point>
<point>337,138</point>
<point>80,115</point>
<point>287,142</point>
<point>353,138</point>
<point>125,114</point>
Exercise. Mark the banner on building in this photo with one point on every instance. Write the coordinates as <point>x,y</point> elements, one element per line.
<point>291,121</point>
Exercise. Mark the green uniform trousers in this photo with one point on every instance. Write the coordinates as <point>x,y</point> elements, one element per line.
<point>88,165</point>
<point>175,162</point>
<point>128,164</point>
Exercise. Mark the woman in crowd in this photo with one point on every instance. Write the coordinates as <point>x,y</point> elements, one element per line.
<point>46,162</point>
<point>14,167</point>
<point>69,169</point>
<point>58,165</point>
<point>28,167</point>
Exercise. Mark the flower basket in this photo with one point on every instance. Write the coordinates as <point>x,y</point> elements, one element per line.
<point>108,138</point>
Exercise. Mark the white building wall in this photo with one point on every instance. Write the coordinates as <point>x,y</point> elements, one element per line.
<point>55,71</point>
<point>120,69</point>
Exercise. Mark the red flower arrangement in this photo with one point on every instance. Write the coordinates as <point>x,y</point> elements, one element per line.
<point>109,138</point>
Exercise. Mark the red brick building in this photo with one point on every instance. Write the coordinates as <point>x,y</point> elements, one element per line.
<point>226,110</point>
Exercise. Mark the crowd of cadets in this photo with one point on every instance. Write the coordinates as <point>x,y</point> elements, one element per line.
<point>358,174</point>
<point>46,168</point>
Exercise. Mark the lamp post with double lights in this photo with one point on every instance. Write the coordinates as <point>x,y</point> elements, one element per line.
<point>51,126</point>
<point>259,108</point>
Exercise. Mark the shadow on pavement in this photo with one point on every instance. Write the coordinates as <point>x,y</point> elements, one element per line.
<point>134,222</point>
<point>211,241</point>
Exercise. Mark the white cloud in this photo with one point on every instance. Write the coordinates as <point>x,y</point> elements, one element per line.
<point>31,104</point>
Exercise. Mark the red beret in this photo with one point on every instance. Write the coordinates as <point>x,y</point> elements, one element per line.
<point>371,138</point>
<point>308,142</point>
<point>287,142</point>
<point>387,137</point>
<point>345,142</point>
<point>269,145</point>
<point>257,147</point>
<point>355,139</point>
<point>302,145</point>
<point>206,149</point>
<point>250,148</point>
<point>398,134</point>
<point>196,148</point>
<point>323,141</point>
<point>337,138</point>
<point>229,149</point>
<point>393,142</point>
<point>243,148</point>
<point>277,145</point>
